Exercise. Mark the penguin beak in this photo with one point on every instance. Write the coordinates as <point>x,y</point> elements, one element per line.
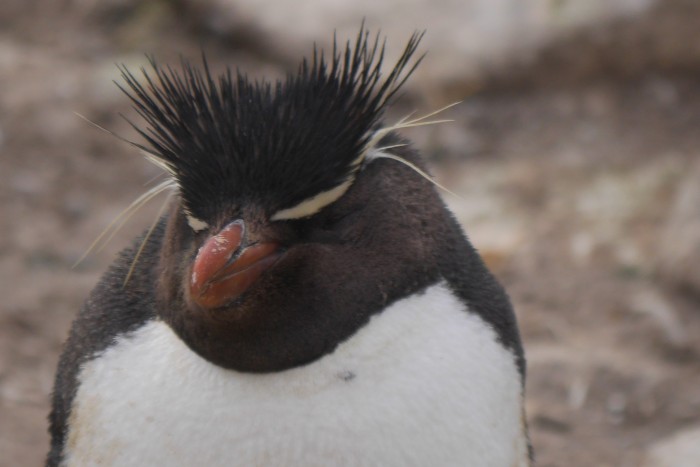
<point>226,266</point>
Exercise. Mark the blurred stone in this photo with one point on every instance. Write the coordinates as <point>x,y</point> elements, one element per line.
<point>449,143</point>
<point>582,246</point>
<point>616,405</point>
<point>681,449</point>
<point>76,207</point>
<point>551,424</point>
<point>578,391</point>
<point>652,302</point>
<point>663,91</point>
<point>679,249</point>
<point>28,184</point>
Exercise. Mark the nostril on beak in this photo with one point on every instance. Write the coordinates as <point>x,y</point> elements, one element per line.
<point>216,254</point>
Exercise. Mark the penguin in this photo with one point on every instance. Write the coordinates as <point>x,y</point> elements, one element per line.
<point>307,299</point>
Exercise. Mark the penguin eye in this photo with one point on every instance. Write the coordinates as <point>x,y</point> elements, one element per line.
<point>314,204</point>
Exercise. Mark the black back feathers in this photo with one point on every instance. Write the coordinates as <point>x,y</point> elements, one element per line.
<point>273,145</point>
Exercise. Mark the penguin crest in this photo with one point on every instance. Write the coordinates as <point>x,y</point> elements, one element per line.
<point>290,148</point>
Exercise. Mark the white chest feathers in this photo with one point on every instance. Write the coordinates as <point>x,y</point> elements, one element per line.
<point>423,384</point>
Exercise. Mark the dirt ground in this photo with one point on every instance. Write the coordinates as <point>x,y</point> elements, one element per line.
<point>569,180</point>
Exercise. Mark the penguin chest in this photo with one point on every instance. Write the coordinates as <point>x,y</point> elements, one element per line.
<point>425,382</point>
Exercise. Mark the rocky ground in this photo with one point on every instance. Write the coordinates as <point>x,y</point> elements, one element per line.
<point>579,171</point>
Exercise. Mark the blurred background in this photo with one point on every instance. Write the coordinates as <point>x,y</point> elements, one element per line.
<point>575,147</point>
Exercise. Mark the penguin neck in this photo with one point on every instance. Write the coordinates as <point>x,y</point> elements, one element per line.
<point>313,299</point>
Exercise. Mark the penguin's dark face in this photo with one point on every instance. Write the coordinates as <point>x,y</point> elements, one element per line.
<point>288,234</point>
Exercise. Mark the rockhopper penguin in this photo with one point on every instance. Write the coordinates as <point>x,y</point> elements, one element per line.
<point>307,300</point>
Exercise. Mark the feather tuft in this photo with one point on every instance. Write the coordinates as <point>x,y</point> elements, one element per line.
<point>229,138</point>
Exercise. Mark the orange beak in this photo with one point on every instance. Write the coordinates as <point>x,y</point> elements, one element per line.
<point>225,266</point>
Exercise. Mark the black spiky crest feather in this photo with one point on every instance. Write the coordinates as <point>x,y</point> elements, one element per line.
<point>255,142</point>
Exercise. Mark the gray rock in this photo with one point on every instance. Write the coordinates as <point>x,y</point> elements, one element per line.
<point>679,250</point>
<point>681,449</point>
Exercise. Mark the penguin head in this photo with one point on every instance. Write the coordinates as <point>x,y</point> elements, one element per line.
<point>287,235</point>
